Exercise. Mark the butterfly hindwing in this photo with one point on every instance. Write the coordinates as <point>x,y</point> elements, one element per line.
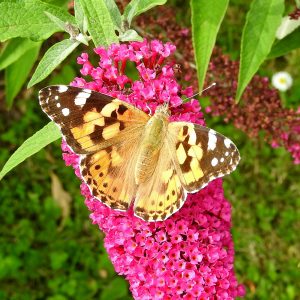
<point>163,194</point>
<point>89,120</point>
<point>200,154</point>
<point>109,172</point>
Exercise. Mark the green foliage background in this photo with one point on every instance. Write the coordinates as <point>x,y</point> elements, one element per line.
<point>45,254</point>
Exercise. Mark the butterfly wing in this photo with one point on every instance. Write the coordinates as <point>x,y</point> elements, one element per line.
<point>109,172</point>
<point>200,154</point>
<point>105,132</point>
<point>191,157</point>
<point>163,194</point>
<point>90,121</point>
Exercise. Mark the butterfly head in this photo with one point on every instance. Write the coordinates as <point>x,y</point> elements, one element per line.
<point>163,110</point>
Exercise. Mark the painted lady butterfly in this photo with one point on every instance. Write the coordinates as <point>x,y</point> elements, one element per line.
<point>128,154</point>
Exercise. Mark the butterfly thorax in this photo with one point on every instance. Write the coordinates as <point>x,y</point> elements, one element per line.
<point>152,141</point>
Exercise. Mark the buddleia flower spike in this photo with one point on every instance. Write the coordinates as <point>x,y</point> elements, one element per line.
<point>106,139</point>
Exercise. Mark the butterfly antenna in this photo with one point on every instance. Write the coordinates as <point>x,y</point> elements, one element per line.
<point>200,93</point>
<point>149,108</point>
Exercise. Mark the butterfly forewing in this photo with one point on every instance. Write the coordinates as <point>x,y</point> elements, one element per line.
<point>105,132</point>
<point>200,154</point>
<point>90,121</point>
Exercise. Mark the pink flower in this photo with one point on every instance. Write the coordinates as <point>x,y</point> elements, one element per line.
<point>190,255</point>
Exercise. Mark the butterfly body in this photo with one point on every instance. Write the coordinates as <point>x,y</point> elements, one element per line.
<point>152,141</point>
<point>127,155</point>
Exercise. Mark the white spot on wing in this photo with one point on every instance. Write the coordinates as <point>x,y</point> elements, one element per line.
<point>65,111</point>
<point>62,88</point>
<point>193,136</point>
<point>212,140</point>
<point>227,143</point>
<point>58,104</point>
<point>222,159</point>
<point>226,153</point>
<point>56,97</point>
<point>214,162</point>
<point>81,98</point>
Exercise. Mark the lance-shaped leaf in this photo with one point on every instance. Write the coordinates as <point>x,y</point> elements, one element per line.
<point>80,17</point>
<point>26,18</point>
<point>206,20</point>
<point>114,12</point>
<point>287,44</point>
<point>137,7</point>
<point>32,145</point>
<point>65,26</point>
<point>17,73</point>
<point>52,58</point>
<point>130,35</point>
<point>258,36</point>
<point>13,50</point>
<point>71,29</point>
<point>100,24</point>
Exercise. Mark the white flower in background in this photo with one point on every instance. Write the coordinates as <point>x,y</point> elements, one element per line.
<point>282,81</point>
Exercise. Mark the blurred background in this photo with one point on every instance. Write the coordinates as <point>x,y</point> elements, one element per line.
<point>50,250</point>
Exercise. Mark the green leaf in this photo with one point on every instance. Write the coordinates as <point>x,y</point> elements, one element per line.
<point>65,76</point>
<point>287,44</point>
<point>13,50</point>
<point>57,2</point>
<point>130,35</point>
<point>137,7</point>
<point>79,16</point>
<point>117,289</point>
<point>206,20</point>
<point>16,74</point>
<point>26,18</point>
<point>32,145</point>
<point>52,58</point>
<point>71,29</point>
<point>100,24</point>
<point>258,36</point>
<point>65,26</point>
<point>114,12</point>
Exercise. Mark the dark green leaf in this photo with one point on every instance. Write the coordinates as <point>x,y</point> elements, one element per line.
<point>287,44</point>
<point>52,58</point>
<point>13,50</point>
<point>26,18</point>
<point>117,289</point>
<point>65,76</point>
<point>206,20</point>
<point>17,73</point>
<point>100,24</point>
<point>137,7</point>
<point>32,145</point>
<point>258,36</point>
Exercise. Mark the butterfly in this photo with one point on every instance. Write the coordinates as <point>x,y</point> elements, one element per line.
<point>129,156</point>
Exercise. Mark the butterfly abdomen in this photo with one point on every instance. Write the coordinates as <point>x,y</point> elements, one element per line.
<point>151,144</point>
